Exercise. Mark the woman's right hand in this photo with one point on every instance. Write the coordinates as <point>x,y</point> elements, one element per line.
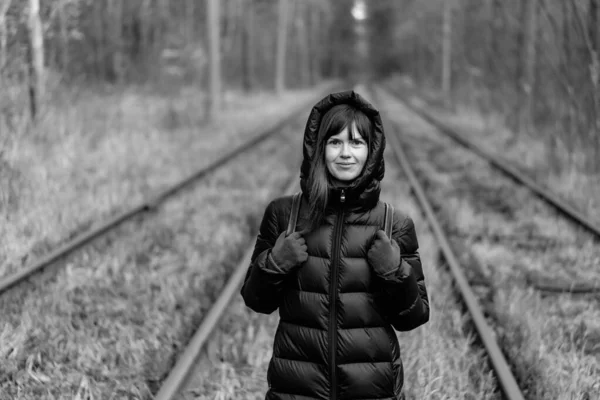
<point>289,251</point>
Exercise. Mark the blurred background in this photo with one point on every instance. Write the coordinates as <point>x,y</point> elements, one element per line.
<point>104,103</point>
<point>77,74</point>
<point>533,62</point>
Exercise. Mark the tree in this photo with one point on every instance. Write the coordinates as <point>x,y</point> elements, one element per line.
<point>248,49</point>
<point>3,33</point>
<point>214,75</point>
<point>447,48</point>
<point>36,55</point>
<point>282,31</point>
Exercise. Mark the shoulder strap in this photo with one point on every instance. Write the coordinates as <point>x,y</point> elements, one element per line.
<point>294,213</point>
<point>388,219</point>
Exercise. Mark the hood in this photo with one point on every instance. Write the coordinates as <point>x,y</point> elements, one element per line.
<point>364,191</point>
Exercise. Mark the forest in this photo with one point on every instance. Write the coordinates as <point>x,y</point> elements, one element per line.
<point>533,62</point>
<point>105,103</point>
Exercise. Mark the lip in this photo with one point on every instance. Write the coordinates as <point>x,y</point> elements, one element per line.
<point>345,164</point>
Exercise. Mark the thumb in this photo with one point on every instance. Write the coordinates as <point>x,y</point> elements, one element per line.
<point>280,238</point>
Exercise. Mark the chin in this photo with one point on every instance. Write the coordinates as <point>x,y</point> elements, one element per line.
<point>346,177</point>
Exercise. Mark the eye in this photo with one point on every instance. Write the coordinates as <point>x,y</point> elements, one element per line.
<point>357,142</point>
<point>334,142</point>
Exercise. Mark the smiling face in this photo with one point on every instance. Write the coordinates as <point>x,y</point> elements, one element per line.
<point>346,155</point>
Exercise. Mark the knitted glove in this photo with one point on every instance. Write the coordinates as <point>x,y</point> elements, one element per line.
<point>384,254</point>
<point>289,251</point>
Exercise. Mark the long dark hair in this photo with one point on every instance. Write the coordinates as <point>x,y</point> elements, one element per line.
<point>319,181</point>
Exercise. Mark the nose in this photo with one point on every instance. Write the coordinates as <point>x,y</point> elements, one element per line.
<point>345,151</point>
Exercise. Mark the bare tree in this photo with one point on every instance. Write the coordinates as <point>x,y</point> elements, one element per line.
<point>248,48</point>
<point>594,28</point>
<point>301,33</point>
<point>214,56</point>
<point>3,33</point>
<point>36,51</point>
<point>64,34</point>
<point>447,47</point>
<point>281,45</point>
<point>525,66</point>
<point>314,34</point>
<point>530,61</point>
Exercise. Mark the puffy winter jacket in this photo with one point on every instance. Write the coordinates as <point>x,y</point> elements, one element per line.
<point>335,338</point>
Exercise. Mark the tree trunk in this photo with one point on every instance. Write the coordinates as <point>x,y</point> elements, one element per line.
<point>190,21</point>
<point>64,35</point>
<point>281,46</point>
<point>314,32</point>
<point>36,87</point>
<point>3,34</point>
<point>594,29</point>
<point>570,107</point>
<point>302,44</point>
<point>214,55</point>
<point>488,17</point>
<point>525,68</point>
<point>447,48</point>
<point>530,62</point>
<point>248,50</point>
<point>98,40</point>
<point>116,48</point>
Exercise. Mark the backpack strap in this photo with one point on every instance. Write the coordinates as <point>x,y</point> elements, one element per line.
<point>388,219</point>
<point>296,198</point>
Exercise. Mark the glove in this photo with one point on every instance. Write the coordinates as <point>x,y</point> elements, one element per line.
<point>289,251</point>
<point>384,254</point>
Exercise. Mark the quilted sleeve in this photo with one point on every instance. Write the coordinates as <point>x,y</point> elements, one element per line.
<point>403,295</point>
<point>263,285</point>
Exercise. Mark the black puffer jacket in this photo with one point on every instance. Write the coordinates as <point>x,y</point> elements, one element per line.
<point>335,339</point>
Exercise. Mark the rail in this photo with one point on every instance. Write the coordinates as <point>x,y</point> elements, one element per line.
<point>152,202</point>
<point>507,380</point>
<point>503,165</point>
<point>186,362</point>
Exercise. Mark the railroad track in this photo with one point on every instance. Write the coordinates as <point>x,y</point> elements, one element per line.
<point>507,381</point>
<point>457,171</point>
<point>178,376</point>
<point>178,386</point>
<point>78,306</point>
<point>148,204</point>
<point>545,194</point>
<point>562,207</point>
<point>193,361</point>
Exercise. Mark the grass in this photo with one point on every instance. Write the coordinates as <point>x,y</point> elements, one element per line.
<point>552,341</point>
<point>559,165</point>
<point>104,152</point>
<point>440,362</point>
<point>114,319</point>
<point>110,321</point>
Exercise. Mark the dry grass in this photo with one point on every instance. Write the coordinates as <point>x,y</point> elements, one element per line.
<point>110,323</point>
<point>552,341</point>
<point>440,362</point>
<point>110,320</point>
<point>558,165</point>
<point>97,153</point>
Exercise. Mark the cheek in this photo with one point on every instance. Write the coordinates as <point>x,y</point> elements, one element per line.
<point>330,154</point>
<point>362,156</point>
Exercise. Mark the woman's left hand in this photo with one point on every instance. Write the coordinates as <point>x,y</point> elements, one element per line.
<point>384,254</point>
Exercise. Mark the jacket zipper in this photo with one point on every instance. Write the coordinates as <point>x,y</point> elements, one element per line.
<point>333,294</point>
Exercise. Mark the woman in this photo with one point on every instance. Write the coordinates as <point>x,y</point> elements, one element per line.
<point>341,286</point>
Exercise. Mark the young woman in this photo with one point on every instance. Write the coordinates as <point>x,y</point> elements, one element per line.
<point>340,284</point>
